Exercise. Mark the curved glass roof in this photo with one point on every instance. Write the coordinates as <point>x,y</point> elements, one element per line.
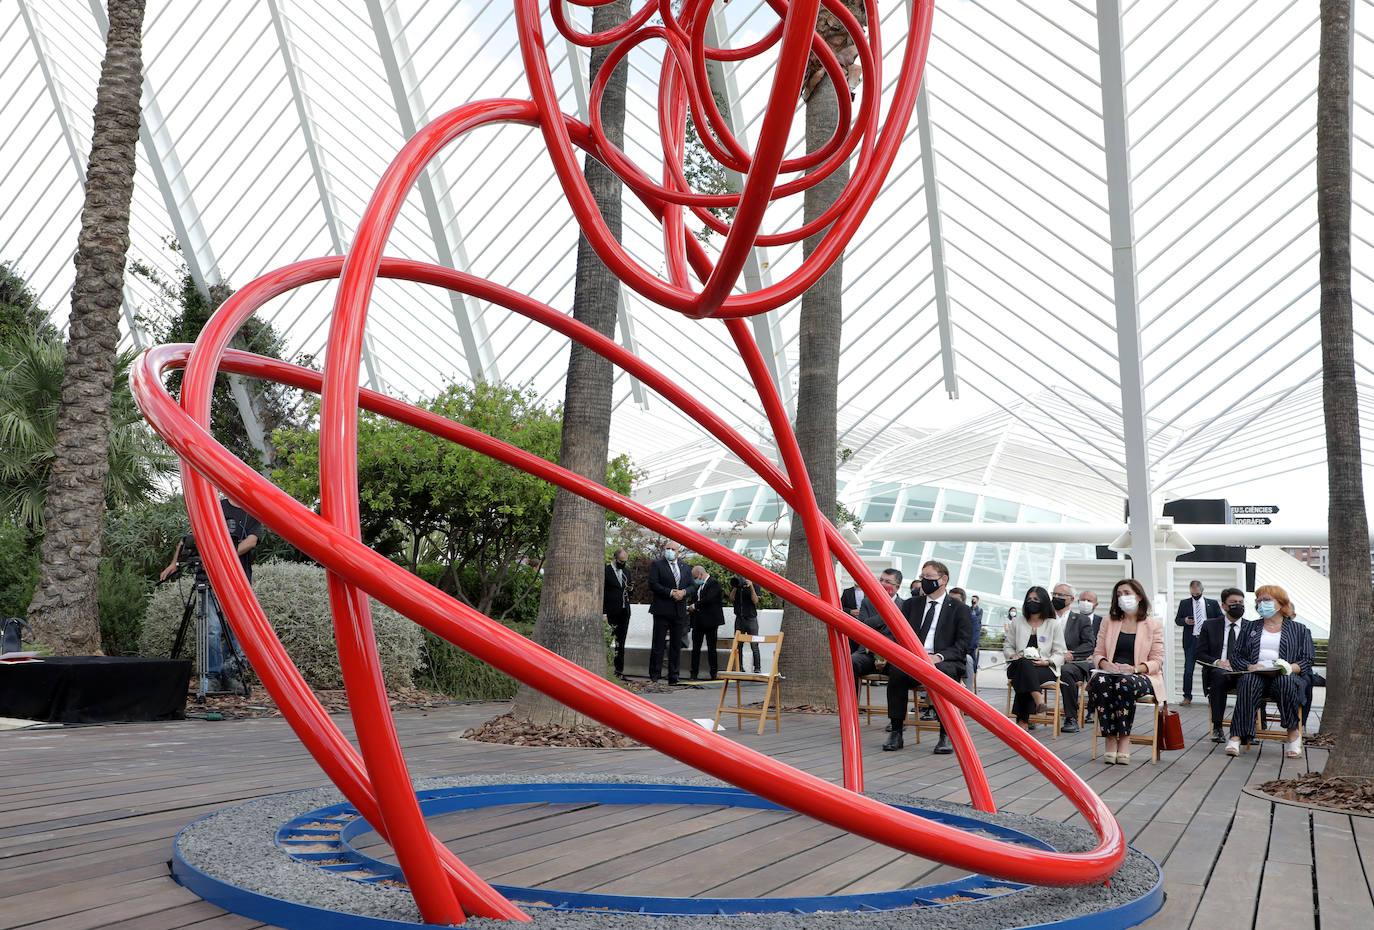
<point>267,125</point>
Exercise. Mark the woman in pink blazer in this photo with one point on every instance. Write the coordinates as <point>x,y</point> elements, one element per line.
<point>1127,661</point>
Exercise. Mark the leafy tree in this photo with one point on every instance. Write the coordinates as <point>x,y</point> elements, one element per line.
<point>30,395</point>
<point>20,313</point>
<point>570,622</point>
<point>64,607</point>
<point>180,311</point>
<point>1350,691</point>
<point>425,500</point>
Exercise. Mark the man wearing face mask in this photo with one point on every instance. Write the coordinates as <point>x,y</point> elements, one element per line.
<point>1192,613</point>
<point>668,582</point>
<point>1216,646</point>
<point>706,614</point>
<point>945,629</point>
<point>1081,624</point>
<point>1080,638</point>
<point>615,604</point>
<point>863,661</point>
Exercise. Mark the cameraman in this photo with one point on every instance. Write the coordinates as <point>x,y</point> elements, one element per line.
<point>244,530</point>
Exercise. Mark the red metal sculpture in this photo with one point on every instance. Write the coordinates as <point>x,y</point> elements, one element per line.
<point>374,777</point>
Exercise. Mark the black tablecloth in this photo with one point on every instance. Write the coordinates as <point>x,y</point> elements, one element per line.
<point>94,689</point>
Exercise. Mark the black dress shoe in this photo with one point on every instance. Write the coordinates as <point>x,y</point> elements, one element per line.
<point>1069,726</point>
<point>894,742</point>
<point>927,714</point>
<point>673,681</point>
<point>943,748</point>
<point>1217,735</point>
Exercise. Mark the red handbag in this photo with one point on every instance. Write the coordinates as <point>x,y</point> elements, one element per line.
<point>1170,729</point>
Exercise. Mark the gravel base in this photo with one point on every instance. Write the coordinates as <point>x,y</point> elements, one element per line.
<point>237,846</point>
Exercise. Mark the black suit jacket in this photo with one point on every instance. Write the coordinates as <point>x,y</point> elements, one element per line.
<point>1080,635</point>
<point>953,626</point>
<point>1211,605</point>
<point>848,598</point>
<point>615,602</point>
<point>707,611</point>
<point>1213,637</point>
<point>662,585</point>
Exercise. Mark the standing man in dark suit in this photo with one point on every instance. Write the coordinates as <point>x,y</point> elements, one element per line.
<point>863,661</point>
<point>1192,613</point>
<point>615,604</point>
<point>706,614</point>
<point>945,628</point>
<point>1217,644</point>
<point>668,582</point>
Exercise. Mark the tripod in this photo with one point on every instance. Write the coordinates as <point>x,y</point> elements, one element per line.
<point>200,603</point>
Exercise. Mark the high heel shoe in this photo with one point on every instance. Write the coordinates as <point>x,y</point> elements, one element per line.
<point>1123,758</point>
<point>1109,758</point>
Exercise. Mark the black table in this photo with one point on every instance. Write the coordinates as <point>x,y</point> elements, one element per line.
<point>94,689</point>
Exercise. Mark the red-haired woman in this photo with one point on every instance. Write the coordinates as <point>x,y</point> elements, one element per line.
<point>1130,657</point>
<point>1278,651</point>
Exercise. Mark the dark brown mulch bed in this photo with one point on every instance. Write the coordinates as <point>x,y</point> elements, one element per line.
<point>1319,741</point>
<point>1349,794</point>
<point>260,703</point>
<point>516,731</point>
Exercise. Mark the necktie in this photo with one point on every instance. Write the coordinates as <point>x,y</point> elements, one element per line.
<point>677,578</point>
<point>925,624</point>
<point>1231,642</point>
<point>1199,614</point>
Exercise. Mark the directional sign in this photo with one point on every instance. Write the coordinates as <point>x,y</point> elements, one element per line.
<point>1254,510</point>
<point>1252,521</point>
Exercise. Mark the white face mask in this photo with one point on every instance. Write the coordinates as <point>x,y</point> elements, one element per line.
<point>1086,607</point>
<point>670,555</point>
<point>1127,603</point>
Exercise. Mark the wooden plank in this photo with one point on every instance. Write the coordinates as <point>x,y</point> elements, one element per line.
<point>1286,897</point>
<point>1344,897</point>
<point>1290,835</point>
<point>1232,888</point>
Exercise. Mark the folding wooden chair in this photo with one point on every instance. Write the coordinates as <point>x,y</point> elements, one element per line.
<point>1051,717</point>
<point>772,693</point>
<point>1152,740</point>
<point>866,706</point>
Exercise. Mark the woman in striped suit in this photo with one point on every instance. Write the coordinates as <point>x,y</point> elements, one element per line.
<point>1279,652</point>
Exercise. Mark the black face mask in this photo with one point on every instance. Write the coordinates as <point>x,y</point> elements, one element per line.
<point>929,585</point>
<point>1059,603</point>
<point>1032,607</point>
<point>1236,611</point>
<point>619,563</point>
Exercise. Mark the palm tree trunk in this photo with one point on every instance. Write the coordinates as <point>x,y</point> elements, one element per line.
<point>806,661</point>
<point>570,621</point>
<point>1350,690</point>
<point>63,611</point>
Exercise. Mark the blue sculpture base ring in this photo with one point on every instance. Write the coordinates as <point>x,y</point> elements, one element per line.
<point>320,839</point>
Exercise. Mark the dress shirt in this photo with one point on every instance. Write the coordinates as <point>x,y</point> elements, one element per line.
<point>1232,626</point>
<point>929,643</point>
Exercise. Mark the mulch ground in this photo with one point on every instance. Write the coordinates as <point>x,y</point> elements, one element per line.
<point>260,703</point>
<point>516,731</point>
<point>1348,794</point>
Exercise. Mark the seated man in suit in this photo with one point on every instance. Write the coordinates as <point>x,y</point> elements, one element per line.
<point>860,658</point>
<point>1081,624</point>
<point>945,628</point>
<point>1216,642</point>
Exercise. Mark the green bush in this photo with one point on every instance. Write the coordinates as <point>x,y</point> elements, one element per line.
<point>18,569</point>
<point>451,671</point>
<point>122,598</point>
<point>296,601</point>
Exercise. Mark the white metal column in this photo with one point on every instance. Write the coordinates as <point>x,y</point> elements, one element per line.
<point>443,224</point>
<point>1129,350</point>
<point>937,239</point>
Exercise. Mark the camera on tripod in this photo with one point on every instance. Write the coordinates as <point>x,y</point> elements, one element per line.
<point>189,555</point>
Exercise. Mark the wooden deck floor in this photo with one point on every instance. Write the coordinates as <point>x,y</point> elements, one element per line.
<point>87,817</point>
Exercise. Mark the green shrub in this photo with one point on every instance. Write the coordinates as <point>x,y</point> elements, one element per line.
<point>122,598</point>
<point>296,601</point>
<point>451,671</point>
<point>18,569</point>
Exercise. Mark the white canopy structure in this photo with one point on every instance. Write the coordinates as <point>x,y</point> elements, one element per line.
<point>1103,224</point>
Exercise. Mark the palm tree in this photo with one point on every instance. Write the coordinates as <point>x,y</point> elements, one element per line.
<point>63,611</point>
<point>30,395</point>
<point>1350,690</point>
<point>806,661</point>
<point>570,621</point>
